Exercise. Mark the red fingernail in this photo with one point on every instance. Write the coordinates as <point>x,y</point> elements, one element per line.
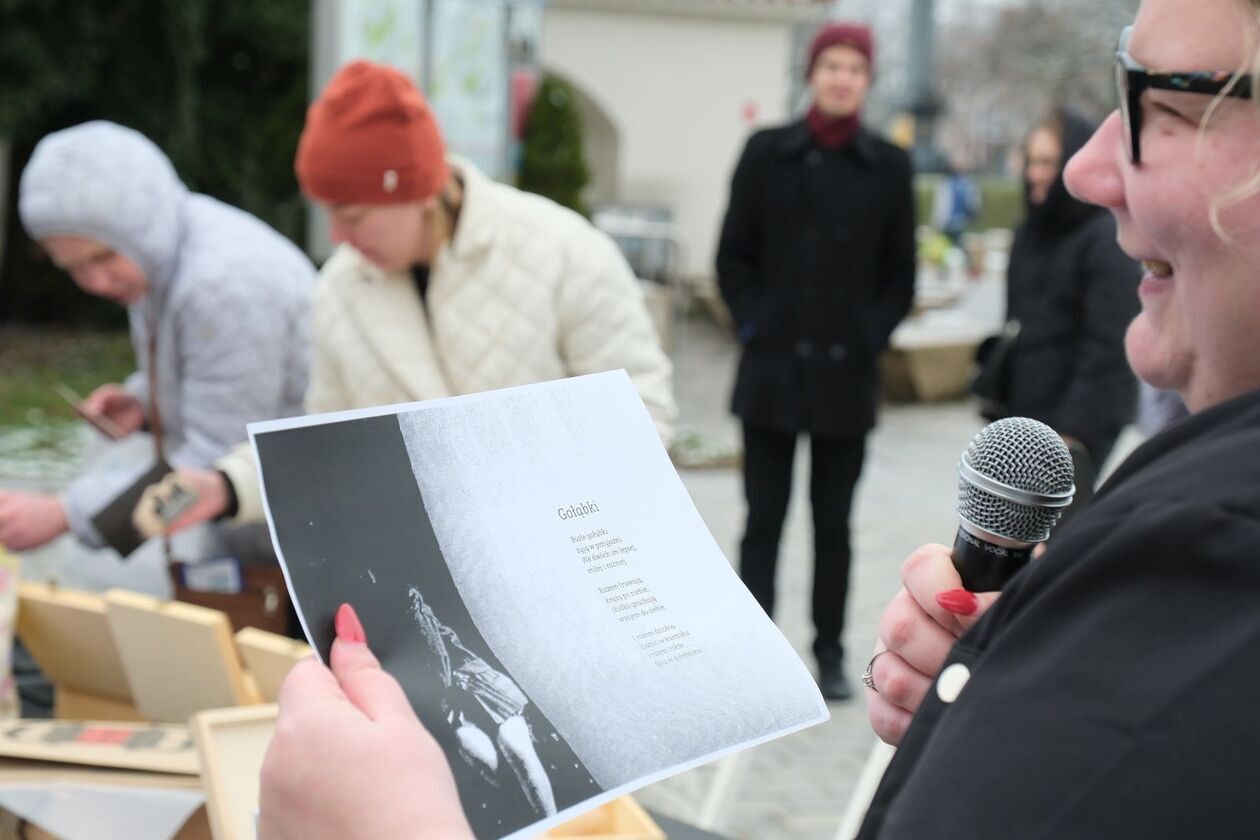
<point>958,601</point>
<point>349,629</point>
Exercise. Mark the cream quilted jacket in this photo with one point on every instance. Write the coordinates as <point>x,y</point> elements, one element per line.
<point>526,291</point>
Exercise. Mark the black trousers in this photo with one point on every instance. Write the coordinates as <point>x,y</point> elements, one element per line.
<point>835,465</point>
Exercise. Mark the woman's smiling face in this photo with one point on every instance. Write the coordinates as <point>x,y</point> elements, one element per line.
<point>1199,328</point>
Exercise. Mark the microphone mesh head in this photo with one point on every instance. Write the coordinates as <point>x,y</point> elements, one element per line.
<point>1020,453</point>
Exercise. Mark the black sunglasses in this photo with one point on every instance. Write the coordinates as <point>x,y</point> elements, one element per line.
<point>1132,79</point>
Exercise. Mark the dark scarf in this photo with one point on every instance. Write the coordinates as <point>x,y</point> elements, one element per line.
<point>832,132</point>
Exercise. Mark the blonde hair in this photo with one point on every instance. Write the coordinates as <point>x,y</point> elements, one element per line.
<point>1251,186</point>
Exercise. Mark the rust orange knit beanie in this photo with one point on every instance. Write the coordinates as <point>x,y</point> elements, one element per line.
<point>370,138</point>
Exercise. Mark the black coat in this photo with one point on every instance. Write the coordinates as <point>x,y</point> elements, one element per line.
<point>1113,687</point>
<point>816,263</point>
<point>1074,293</point>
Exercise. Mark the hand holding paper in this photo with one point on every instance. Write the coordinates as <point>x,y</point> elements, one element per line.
<point>350,759</point>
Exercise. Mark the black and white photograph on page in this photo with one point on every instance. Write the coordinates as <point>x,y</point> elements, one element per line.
<point>530,567</point>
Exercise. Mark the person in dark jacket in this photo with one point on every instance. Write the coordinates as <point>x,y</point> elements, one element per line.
<point>816,263</point>
<point>1110,690</point>
<point>1072,292</point>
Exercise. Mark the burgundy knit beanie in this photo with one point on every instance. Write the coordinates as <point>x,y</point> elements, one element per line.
<point>855,35</point>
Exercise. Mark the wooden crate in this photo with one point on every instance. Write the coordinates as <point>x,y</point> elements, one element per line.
<point>621,819</point>
<point>179,658</point>
<point>67,633</point>
<point>268,657</point>
<point>232,743</point>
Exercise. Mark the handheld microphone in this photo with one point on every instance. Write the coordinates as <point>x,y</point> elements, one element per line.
<point>1014,481</point>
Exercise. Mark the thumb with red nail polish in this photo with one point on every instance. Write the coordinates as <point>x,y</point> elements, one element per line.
<point>350,759</point>
<point>958,601</point>
<point>348,627</point>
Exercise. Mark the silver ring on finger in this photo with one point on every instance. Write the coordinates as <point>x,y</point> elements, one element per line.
<point>868,678</point>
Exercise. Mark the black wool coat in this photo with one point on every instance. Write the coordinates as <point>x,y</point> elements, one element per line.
<point>816,263</point>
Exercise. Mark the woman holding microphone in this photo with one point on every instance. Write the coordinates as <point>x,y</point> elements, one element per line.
<point>1109,692</point>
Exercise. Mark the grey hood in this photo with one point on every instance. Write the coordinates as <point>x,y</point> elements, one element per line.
<point>110,184</point>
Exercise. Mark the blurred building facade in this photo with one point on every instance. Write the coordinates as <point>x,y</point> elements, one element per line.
<point>669,91</point>
<point>475,60</point>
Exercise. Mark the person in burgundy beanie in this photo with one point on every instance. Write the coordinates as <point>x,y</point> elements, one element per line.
<point>816,263</point>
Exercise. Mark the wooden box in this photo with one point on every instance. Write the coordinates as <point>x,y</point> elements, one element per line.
<point>67,633</point>
<point>118,760</point>
<point>232,743</point>
<point>179,658</point>
<point>268,658</point>
<point>621,819</point>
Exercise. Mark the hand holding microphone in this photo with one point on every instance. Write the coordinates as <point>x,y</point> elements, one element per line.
<point>1014,480</point>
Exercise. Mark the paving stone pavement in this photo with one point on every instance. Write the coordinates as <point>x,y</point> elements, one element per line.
<point>798,786</point>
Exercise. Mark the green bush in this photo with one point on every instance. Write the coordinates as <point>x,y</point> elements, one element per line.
<point>552,161</point>
<point>221,86</point>
<point>1002,201</point>
<point>38,360</point>
<point>924,197</point>
<point>1003,206</point>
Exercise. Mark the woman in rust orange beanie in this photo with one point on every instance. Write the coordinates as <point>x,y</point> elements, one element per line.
<point>447,282</point>
<point>444,282</point>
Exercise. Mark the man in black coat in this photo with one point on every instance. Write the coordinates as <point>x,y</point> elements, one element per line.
<point>816,263</point>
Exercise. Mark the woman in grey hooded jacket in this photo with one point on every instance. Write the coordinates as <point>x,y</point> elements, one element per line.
<point>218,305</point>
